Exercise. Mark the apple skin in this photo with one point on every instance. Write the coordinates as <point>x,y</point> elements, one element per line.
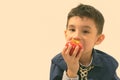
<point>74,43</point>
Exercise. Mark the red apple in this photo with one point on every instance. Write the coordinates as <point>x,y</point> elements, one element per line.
<point>74,43</point>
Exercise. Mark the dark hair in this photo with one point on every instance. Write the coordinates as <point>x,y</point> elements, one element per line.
<point>90,12</point>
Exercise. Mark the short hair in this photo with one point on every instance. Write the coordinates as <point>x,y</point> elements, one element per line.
<point>83,10</point>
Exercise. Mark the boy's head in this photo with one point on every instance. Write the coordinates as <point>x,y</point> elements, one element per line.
<point>85,24</point>
<point>89,12</point>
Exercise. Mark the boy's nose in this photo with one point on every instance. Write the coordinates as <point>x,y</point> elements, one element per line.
<point>77,36</point>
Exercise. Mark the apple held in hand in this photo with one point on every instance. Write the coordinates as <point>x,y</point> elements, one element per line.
<point>74,43</point>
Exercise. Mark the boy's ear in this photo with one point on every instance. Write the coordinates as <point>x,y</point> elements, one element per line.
<point>100,39</point>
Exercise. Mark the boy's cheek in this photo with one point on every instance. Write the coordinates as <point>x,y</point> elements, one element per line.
<point>68,38</point>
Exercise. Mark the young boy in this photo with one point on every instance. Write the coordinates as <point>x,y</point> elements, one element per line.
<point>84,23</point>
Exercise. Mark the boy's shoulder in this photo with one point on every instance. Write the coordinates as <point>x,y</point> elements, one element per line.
<point>103,59</point>
<point>59,61</point>
<point>103,55</point>
<point>57,58</point>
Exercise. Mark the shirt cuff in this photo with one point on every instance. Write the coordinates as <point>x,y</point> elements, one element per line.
<point>65,77</point>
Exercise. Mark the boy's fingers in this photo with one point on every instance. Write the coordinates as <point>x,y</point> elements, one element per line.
<point>79,54</point>
<point>66,50</point>
<point>75,51</point>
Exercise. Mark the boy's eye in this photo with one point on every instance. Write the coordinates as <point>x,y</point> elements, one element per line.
<point>86,31</point>
<point>71,30</point>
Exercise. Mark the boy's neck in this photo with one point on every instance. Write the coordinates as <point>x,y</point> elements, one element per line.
<point>86,59</point>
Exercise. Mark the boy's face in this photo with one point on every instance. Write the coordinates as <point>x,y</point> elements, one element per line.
<point>84,30</point>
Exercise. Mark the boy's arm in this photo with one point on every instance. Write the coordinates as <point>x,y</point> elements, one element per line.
<point>55,72</point>
<point>65,77</point>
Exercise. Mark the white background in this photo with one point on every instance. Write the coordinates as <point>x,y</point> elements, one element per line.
<point>32,33</point>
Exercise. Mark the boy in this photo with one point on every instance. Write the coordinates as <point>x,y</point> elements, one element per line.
<point>84,23</point>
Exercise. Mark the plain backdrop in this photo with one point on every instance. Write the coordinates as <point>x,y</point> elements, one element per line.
<point>32,33</point>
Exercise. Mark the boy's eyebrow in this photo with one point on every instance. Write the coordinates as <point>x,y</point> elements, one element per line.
<point>84,26</point>
<point>87,27</point>
<point>71,26</point>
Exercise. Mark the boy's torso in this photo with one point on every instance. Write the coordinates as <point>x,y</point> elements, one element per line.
<point>104,66</point>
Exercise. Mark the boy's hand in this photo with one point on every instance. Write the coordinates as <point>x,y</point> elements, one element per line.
<point>72,61</point>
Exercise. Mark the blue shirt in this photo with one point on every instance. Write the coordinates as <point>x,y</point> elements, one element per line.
<point>104,67</point>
